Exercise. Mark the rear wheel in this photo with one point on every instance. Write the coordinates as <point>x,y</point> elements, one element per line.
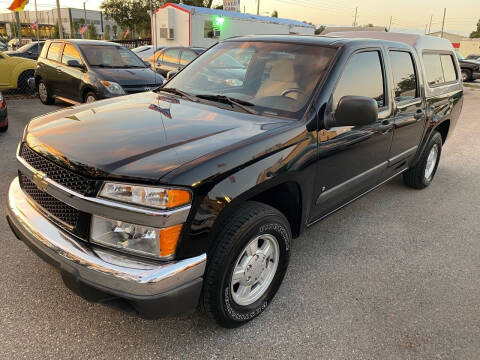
<point>4,128</point>
<point>466,75</point>
<point>247,265</point>
<point>421,175</point>
<point>43,93</point>
<point>90,97</point>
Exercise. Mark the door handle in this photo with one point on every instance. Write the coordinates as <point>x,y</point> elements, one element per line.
<point>419,114</point>
<point>385,125</point>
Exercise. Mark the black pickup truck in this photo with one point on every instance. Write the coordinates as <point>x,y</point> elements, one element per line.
<point>470,68</point>
<point>190,195</point>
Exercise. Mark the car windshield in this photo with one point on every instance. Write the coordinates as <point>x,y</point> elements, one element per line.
<point>267,77</point>
<point>111,56</point>
<point>25,48</point>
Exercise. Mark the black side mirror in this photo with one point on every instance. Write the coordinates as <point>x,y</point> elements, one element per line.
<point>147,64</point>
<point>172,74</point>
<point>354,111</point>
<point>74,63</point>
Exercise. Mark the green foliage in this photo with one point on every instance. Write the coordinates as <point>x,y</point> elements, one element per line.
<point>319,30</point>
<point>130,14</point>
<point>476,34</point>
<point>106,32</point>
<point>274,14</point>
<point>92,32</point>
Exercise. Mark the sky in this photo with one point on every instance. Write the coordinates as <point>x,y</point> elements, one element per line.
<point>413,15</point>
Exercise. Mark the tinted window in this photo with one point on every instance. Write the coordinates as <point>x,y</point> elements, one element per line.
<point>362,76</point>
<point>54,51</point>
<point>70,53</point>
<point>449,72</point>
<point>187,56</point>
<point>405,80</point>
<point>171,55</point>
<point>433,68</point>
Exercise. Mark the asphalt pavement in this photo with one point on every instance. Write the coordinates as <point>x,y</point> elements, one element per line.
<point>395,275</point>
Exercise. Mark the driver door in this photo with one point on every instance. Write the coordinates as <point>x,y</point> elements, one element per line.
<point>351,160</point>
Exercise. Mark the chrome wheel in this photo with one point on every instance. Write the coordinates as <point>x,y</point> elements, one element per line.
<point>90,99</point>
<point>255,269</point>
<point>42,92</point>
<point>431,162</point>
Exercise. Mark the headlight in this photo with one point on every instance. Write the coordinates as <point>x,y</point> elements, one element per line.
<point>150,196</point>
<point>113,87</point>
<point>135,239</point>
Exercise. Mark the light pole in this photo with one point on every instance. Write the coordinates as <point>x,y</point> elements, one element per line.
<point>59,18</point>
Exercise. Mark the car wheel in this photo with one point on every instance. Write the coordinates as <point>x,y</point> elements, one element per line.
<point>43,93</point>
<point>22,84</point>
<point>4,128</point>
<point>90,97</point>
<point>466,75</point>
<point>421,175</point>
<point>247,265</point>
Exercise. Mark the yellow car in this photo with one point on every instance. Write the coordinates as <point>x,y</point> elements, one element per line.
<point>15,71</point>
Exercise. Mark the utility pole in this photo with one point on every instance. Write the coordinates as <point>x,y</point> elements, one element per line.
<point>355,18</point>
<point>430,25</point>
<point>390,23</point>
<point>59,16</point>
<point>443,21</point>
<point>85,18</point>
<point>19,28</point>
<point>38,26</point>
<point>258,7</point>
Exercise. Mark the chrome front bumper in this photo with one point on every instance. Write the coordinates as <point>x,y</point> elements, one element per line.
<point>99,268</point>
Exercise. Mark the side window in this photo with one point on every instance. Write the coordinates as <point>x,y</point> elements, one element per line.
<point>449,72</point>
<point>70,53</point>
<point>404,77</point>
<point>171,55</point>
<point>433,68</point>
<point>54,51</point>
<point>363,76</point>
<point>187,56</point>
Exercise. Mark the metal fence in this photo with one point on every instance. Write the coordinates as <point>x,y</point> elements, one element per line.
<point>131,44</point>
<point>20,87</point>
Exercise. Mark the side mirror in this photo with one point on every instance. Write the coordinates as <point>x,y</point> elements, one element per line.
<point>172,74</point>
<point>147,64</point>
<point>354,111</point>
<point>30,52</point>
<point>74,63</point>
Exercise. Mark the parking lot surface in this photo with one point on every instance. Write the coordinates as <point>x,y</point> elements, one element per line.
<point>395,275</point>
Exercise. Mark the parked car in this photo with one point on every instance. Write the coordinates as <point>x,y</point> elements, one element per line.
<point>3,114</point>
<point>78,71</point>
<point>191,194</point>
<point>146,51</point>
<point>30,51</point>
<point>470,68</point>
<point>173,58</point>
<point>15,72</point>
<point>473,57</point>
<point>15,43</point>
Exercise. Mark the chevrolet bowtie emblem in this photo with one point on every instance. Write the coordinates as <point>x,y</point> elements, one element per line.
<point>39,180</point>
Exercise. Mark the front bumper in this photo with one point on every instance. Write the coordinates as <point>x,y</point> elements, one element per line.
<point>150,289</point>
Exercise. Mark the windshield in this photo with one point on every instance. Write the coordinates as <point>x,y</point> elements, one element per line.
<point>25,48</point>
<point>111,56</point>
<point>272,78</point>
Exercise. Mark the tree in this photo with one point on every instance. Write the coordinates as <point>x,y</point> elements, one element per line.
<point>275,14</point>
<point>106,32</point>
<point>476,33</point>
<point>133,14</point>
<point>92,32</point>
<point>319,30</point>
<point>76,25</point>
<point>115,30</point>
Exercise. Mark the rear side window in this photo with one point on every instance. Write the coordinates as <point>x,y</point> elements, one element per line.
<point>54,51</point>
<point>448,66</point>
<point>405,79</point>
<point>362,76</point>
<point>70,53</point>
<point>171,55</point>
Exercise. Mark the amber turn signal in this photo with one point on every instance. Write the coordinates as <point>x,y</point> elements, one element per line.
<point>177,198</point>
<point>168,238</point>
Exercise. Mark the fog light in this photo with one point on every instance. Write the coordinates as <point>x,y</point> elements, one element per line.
<point>135,239</point>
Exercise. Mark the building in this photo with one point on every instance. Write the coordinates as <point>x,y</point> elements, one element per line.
<point>72,20</point>
<point>331,29</point>
<point>183,25</point>
<point>469,47</point>
<point>454,38</point>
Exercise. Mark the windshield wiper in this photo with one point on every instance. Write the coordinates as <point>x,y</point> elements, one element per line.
<point>242,104</point>
<point>102,65</point>
<point>178,92</point>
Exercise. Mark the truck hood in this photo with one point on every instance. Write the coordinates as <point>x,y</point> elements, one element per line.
<point>142,136</point>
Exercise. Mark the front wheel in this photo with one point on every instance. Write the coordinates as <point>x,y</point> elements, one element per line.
<point>90,97</point>
<point>43,93</point>
<point>466,75</point>
<point>421,175</point>
<point>247,265</point>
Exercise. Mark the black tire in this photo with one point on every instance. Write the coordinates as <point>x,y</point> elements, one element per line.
<point>89,94</point>
<point>467,75</point>
<point>47,99</point>
<point>415,177</point>
<point>4,128</point>
<point>22,84</point>
<point>251,220</point>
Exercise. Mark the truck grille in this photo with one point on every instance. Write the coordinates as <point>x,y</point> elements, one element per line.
<point>57,173</point>
<point>61,211</point>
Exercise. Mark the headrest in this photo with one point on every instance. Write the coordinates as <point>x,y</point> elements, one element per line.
<point>282,70</point>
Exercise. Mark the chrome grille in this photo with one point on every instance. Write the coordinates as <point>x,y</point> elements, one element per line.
<point>55,172</point>
<point>61,211</point>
